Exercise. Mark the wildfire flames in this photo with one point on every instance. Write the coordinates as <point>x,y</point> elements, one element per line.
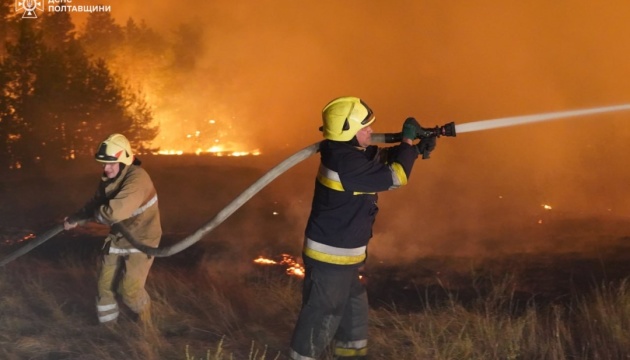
<point>293,267</point>
<point>214,150</point>
<point>210,141</point>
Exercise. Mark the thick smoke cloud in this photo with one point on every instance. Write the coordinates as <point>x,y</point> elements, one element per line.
<point>274,64</point>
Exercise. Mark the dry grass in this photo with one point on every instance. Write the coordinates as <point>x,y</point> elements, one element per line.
<point>212,303</point>
<point>46,312</point>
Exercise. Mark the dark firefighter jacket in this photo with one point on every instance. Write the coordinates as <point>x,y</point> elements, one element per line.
<point>345,200</point>
<point>130,199</point>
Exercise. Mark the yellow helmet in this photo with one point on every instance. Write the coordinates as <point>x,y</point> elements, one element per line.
<point>115,148</point>
<point>344,117</point>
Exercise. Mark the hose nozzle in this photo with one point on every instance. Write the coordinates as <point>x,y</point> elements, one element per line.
<point>444,130</point>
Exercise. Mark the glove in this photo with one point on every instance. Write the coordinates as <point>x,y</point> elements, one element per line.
<point>411,128</point>
<point>426,145</point>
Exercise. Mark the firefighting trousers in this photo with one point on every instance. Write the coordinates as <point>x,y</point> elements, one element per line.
<point>125,275</point>
<point>334,307</point>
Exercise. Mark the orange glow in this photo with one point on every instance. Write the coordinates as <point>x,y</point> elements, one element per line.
<point>22,239</point>
<point>195,143</point>
<point>293,267</point>
<point>170,152</point>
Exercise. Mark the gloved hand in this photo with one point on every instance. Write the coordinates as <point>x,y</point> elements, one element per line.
<point>411,129</point>
<point>69,224</point>
<point>426,145</point>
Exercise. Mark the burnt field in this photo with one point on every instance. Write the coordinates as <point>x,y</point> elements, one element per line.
<point>548,256</point>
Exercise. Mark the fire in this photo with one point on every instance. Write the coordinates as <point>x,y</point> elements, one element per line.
<point>293,267</point>
<point>216,150</point>
<point>170,152</point>
<point>9,240</point>
<point>212,138</point>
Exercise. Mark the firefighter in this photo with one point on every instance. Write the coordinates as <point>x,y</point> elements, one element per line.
<point>344,207</point>
<point>125,195</point>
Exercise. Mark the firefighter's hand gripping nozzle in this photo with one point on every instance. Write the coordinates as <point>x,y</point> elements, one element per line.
<point>428,137</point>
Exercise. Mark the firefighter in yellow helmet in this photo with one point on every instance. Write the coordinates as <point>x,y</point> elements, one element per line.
<point>344,207</point>
<point>125,195</point>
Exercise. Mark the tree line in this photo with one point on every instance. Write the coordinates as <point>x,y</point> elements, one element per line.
<point>64,90</point>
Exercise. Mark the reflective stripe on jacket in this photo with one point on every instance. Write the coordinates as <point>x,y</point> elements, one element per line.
<point>130,199</point>
<point>345,200</point>
<point>334,255</point>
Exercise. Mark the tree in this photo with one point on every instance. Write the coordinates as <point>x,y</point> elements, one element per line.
<point>57,30</point>
<point>8,26</point>
<point>57,103</point>
<point>18,86</point>
<point>61,67</point>
<point>101,36</point>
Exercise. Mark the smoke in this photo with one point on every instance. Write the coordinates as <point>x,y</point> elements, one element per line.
<point>269,67</point>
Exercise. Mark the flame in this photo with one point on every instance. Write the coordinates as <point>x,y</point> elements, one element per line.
<point>216,150</point>
<point>212,138</point>
<point>8,241</point>
<point>293,267</point>
<point>170,152</point>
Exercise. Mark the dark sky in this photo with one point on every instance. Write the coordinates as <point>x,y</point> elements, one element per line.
<point>274,64</point>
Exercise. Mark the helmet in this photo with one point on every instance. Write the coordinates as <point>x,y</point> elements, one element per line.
<point>344,117</point>
<point>115,148</point>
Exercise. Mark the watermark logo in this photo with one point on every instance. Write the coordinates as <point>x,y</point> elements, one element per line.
<point>29,7</point>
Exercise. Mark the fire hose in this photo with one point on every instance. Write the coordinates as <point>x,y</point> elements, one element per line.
<point>36,242</point>
<point>447,130</point>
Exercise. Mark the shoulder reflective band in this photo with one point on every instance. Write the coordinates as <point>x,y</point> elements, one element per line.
<point>334,255</point>
<point>144,207</point>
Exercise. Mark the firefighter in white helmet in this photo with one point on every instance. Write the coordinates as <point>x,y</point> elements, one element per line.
<point>344,207</point>
<point>125,195</point>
